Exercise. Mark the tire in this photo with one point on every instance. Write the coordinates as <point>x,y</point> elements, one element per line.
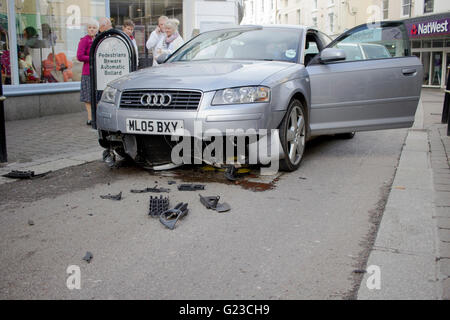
<point>347,135</point>
<point>293,136</point>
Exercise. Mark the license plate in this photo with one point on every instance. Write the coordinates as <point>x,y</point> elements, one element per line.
<point>145,126</point>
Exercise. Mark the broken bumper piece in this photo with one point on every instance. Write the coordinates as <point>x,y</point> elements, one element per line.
<point>116,197</point>
<point>170,217</point>
<point>15,174</point>
<point>158,206</point>
<point>213,203</point>
<point>191,187</point>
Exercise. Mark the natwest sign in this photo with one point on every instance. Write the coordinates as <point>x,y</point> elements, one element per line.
<point>429,28</point>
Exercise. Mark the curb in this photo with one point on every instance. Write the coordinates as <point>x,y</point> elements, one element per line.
<point>405,249</point>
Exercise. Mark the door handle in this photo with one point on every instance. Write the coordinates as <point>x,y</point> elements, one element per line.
<point>409,72</point>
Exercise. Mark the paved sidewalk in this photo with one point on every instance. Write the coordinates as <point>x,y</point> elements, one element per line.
<point>49,143</point>
<point>440,164</point>
<point>412,246</point>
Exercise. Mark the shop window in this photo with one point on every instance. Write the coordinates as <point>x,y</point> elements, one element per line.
<point>4,44</point>
<point>447,70</point>
<point>426,44</point>
<point>436,69</point>
<point>438,43</point>
<point>447,43</point>
<point>48,33</point>
<point>426,67</point>
<point>416,44</point>
<point>145,14</point>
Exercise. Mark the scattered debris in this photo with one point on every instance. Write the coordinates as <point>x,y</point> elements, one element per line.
<point>158,206</point>
<point>116,197</point>
<point>213,203</point>
<point>172,182</point>
<point>16,174</point>
<point>232,173</point>
<point>191,187</point>
<point>303,178</point>
<point>30,222</point>
<point>88,257</point>
<point>359,271</point>
<point>155,190</point>
<point>170,217</point>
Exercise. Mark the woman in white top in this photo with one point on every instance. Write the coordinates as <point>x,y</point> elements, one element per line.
<point>172,41</point>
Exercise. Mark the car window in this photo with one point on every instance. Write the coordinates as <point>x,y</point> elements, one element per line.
<point>375,51</point>
<point>352,51</point>
<point>379,41</point>
<point>312,48</point>
<point>247,44</point>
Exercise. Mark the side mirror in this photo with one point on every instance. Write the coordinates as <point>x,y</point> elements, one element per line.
<point>162,58</point>
<point>329,55</point>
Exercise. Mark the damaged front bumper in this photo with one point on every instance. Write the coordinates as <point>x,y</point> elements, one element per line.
<point>154,151</point>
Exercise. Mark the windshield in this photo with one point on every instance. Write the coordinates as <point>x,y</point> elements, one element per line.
<point>247,44</point>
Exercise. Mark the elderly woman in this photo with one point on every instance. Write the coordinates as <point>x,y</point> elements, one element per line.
<point>84,47</point>
<point>172,41</point>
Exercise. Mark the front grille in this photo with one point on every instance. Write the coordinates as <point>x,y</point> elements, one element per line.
<point>181,100</point>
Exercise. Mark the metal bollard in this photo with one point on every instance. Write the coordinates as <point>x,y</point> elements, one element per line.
<point>446,109</point>
<point>3,153</point>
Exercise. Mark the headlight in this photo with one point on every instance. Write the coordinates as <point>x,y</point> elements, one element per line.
<point>242,95</point>
<point>109,95</point>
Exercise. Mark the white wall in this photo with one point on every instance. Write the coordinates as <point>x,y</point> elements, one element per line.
<point>208,15</point>
<point>441,6</point>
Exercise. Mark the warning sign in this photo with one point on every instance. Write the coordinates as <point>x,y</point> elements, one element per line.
<point>112,61</point>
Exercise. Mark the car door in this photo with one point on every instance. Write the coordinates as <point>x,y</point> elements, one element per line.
<point>366,91</point>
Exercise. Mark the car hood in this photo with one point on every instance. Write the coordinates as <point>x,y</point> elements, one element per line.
<point>205,76</point>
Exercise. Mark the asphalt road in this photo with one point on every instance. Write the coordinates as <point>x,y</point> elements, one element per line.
<point>303,237</point>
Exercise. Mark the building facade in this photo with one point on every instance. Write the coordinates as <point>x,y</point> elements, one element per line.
<point>39,40</point>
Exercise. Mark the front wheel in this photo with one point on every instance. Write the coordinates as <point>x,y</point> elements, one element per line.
<point>293,136</point>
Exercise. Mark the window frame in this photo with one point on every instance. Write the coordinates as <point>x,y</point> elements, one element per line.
<point>385,9</point>
<point>425,6</point>
<point>406,4</point>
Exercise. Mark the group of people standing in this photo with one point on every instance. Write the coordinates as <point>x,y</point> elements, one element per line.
<point>165,39</point>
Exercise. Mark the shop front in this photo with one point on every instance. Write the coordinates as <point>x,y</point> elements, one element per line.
<point>39,39</point>
<point>430,41</point>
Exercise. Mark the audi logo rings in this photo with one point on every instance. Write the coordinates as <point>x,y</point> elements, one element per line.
<point>156,100</point>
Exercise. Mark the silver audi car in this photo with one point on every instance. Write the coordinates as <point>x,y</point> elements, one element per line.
<point>291,78</point>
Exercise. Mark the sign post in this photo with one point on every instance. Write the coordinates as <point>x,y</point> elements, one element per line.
<point>112,56</point>
<point>3,153</point>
